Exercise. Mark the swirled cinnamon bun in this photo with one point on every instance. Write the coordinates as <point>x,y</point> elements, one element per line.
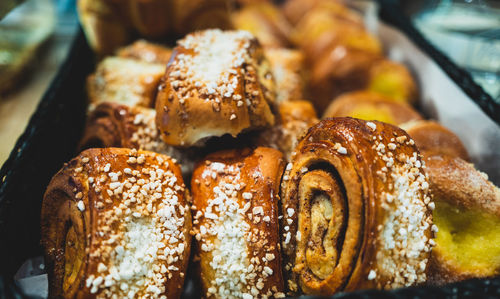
<point>296,118</point>
<point>265,21</point>
<point>287,67</point>
<point>370,105</point>
<point>116,125</point>
<point>115,223</point>
<point>146,51</point>
<point>429,135</point>
<point>467,220</point>
<point>217,82</point>
<point>235,223</point>
<point>357,209</point>
<point>126,81</point>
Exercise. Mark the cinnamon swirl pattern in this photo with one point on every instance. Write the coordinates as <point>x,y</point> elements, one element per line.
<point>218,82</point>
<point>235,221</point>
<point>115,223</point>
<point>357,209</point>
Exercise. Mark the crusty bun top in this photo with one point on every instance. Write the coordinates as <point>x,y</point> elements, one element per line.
<point>217,82</point>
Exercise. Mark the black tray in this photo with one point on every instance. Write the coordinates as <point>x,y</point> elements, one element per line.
<point>54,129</point>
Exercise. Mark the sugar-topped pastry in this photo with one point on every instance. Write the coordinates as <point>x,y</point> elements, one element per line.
<point>357,210</point>
<point>115,224</point>
<point>235,223</point>
<point>216,83</point>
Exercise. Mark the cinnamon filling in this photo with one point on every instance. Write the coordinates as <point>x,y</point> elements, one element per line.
<point>324,227</point>
<point>73,257</point>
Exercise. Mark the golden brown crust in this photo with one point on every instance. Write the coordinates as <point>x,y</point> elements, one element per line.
<point>192,15</point>
<point>146,51</point>
<point>150,18</point>
<point>356,209</point>
<point>109,24</point>
<point>457,186</point>
<point>295,10</point>
<point>429,135</point>
<point>459,183</point>
<point>235,208</point>
<point>206,92</point>
<point>295,119</point>
<point>287,66</point>
<point>104,225</point>
<point>265,21</point>
<point>338,72</point>
<point>116,125</point>
<point>370,105</point>
<point>102,22</point>
<point>125,81</point>
<point>319,33</point>
<point>394,80</point>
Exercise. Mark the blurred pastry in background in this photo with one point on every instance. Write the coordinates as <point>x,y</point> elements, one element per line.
<point>124,80</point>
<point>394,80</point>
<point>109,24</point>
<point>265,21</point>
<point>338,72</point>
<point>23,32</point>
<point>104,24</point>
<point>295,10</point>
<point>150,18</point>
<point>146,51</point>
<point>287,67</point>
<point>370,105</point>
<point>192,15</point>
<point>429,135</point>
<point>466,218</point>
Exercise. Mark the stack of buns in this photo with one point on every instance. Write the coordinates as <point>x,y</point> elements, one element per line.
<point>206,162</point>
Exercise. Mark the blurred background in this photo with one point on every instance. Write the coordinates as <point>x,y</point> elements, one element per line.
<point>35,36</point>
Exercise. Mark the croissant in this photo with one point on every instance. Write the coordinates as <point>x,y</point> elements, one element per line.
<point>116,125</point>
<point>265,21</point>
<point>115,223</point>
<point>146,51</point>
<point>235,222</point>
<point>287,66</point>
<point>218,82</point>
<point>126,81</point>
<point>429,135</point>
<point>369,105</point>
<point>357,209</point>
<point>467,216</point>
<point>295,119</point>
